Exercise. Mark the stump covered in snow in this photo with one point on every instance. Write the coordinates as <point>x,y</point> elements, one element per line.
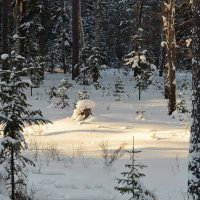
<point>83,109</point>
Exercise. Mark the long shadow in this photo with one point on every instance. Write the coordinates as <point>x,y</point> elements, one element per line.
<point>82,131</point>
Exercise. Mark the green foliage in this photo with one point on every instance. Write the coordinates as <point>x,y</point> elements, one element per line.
<point>89,66</point>
<point>15,114</point>
<point>144,69</point>
<point>130,183</point>
<point>59,94</point>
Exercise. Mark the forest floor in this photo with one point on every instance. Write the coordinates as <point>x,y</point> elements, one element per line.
<point>67,153</point>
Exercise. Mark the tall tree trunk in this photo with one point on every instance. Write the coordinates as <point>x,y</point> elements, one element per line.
<point>194,150</point>
<point>161,56</point>
<point>81,31</point>
<point>63,46</point>
<point>63,49</point>
<point>42,38</point>
<point>5,31</point>
<point>23,8</point>
<point>17,13</point>
<point>75,38</point>
<point>12,170</point>
<point>169,30</point>
<point>97,25</point>
<point>171,56</point>
<point>139,21</point>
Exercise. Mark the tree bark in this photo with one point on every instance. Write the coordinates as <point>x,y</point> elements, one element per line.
<point>139,21</point>
<point>171,55</point>
<point>75,38</point>
<point>12,170</point>
<point>98,23</point>
<point>63,46</point>
<point>194,150</point>
<point>81,31</point>
<point>5,32</point>
<point>169,30</point>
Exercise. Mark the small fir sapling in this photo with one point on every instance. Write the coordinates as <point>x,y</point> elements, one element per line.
<point>15,114</point>
<point>83,94</point>
<point>144,68</point>
<point>52,93</point>
<point>182,111</point>
<point>131,182</point>
<point>34,65</point>
<point>118,89</point>
<point>139,61</point>
<point>82,65</point>
<point>60,94</point>
<point>83,109</point>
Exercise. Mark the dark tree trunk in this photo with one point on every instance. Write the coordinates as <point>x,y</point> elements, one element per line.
<point>161,56</point>
<point>21,31</point>
<point>64,63</point>
<point>75,38</point>
<point>171,59</point>
<point>170,40</point>
<point>63,46</point>
<point>139,21</point>
<point>98,23</point>
<point>5,31</point>
<point>194,151</point>
<point>12,170</point>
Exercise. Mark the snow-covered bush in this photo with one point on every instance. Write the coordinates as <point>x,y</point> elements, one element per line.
<point>83,94</point>
<point>60,94</point>
<point>83,109</point>
<point>109,155</point>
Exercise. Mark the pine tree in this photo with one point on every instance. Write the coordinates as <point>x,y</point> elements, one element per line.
<point>62,95</point>
<point>15,113</point>
<point>131,183</point>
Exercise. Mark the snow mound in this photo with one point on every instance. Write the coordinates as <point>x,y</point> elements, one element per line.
<point>83,109</point>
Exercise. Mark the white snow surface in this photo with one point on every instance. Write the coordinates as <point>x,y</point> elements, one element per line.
<point>67,153</point>
<point>4,56</point>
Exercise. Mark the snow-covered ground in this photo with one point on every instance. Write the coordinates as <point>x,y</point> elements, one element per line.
<point>69,162</point>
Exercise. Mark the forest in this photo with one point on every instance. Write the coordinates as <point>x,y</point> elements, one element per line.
<point>99,100</point>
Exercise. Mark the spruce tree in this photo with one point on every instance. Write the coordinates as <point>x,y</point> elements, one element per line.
<point>15,114</point>
<point>145,69</point>
<point>131,183</point>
